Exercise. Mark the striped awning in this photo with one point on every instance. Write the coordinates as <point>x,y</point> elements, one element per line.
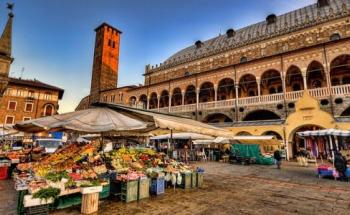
<point>324,132</point>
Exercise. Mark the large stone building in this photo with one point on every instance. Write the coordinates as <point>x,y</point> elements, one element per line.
<point>22,99</point>
<point>250,79</point>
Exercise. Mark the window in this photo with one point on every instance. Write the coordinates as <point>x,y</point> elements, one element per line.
<point>113,44</point>
<point>26,118</point>
<point>28,107</point>
<point>109,43</point>
<point>335,36</point>
<point>12,105</point>
<point>10,120</point>
<point>47,96</point>
<point>31,93</point>
<point>49,110</point>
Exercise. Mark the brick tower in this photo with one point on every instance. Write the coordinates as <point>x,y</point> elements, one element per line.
<point>106,60</point>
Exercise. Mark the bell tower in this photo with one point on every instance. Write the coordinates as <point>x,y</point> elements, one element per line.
<point>106,61</point>
<point>5,51</point>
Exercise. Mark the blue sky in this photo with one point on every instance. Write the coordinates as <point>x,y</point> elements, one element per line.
<point>53,40</point>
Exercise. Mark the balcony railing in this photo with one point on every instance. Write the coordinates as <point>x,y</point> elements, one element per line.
<point>319,93</point>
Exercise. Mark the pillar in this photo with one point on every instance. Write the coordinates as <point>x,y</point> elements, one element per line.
<point>197,97</point>
<point>259,86</point>
<point>158,102</point>
<point>183,93</point>
<point>236,100</point>
<point>305,80</point>
<point>170,96</point>
<point>148,98</point>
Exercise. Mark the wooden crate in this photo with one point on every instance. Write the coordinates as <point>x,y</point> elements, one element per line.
<point>89,203</point>
<point>129,191</point>
<point>144,188</point>
<point>186,182</point>
<point>200,179</point>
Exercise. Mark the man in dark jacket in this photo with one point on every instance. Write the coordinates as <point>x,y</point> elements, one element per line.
<point>340,165</point>
<point>278,158</point>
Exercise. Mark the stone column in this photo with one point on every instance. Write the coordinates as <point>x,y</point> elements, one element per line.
<point>259,85</point>
<point>236,100</point>
<point>304,80</point>
<point>170,96</point>
<point>197,97</point>
<point>158,102</point>
<point>216,92</point>
<point>148,98</point>
<point>183,93</point>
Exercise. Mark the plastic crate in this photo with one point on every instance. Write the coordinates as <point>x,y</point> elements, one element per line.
<point>194,180</point>
<point>157,186</point>
<point>3,172</point>
<point>105,191</point>
<point>38,210</point>
<point>200,179</point>
<point>68,201</point>
<point>129,191</point>
<point>143,191</point>
<point>186,182</point>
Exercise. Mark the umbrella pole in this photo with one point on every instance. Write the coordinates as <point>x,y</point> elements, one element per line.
<point>171,141</point>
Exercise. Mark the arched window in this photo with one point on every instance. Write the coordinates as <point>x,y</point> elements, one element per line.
<point>334,37</point>
<point>346,80</point>
<point>296,87</point>
<point>335,81</point>
<point>49,110</point>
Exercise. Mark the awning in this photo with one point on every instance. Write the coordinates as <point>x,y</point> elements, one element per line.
<point>183,136</point>
<point>261,140</point>
<point>324,132</point>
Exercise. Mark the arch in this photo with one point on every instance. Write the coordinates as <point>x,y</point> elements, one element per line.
<point>153,101</point>
<point>294,79</point>
<point>207,92</point>
<point>248,86</point>
<point>243,133</point>
<point>226,89</point>
<point>346,112</point>
<point>176,98</point>
<point>273,133</point>
<point>259,115</point>
<point>340,70</point>
<point>132,100</point>
<point>49,110</point>
<point>271,82</point>
<point>164,99</point>
<point>143,101</point>
<point>190,95</point>
<point>315,75</point>
<point>217,118</point>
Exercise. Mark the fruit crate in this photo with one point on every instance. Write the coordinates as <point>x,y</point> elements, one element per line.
<point>157,186</point>
<point>143,191</point>
<point>194,180</point>
<point>129,191</point>
<point>186,182</point>
<point>106,190</point>
<point>38,210</point>
<point>200,179</point>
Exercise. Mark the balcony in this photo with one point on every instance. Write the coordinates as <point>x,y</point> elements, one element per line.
<point>319,93</point>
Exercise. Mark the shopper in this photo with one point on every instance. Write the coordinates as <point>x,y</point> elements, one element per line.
<point>340,165</point>
<point>278,158</point>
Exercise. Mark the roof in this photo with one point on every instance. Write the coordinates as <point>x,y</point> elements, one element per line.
<point>286,23</point>
<point>106,24</point>
<point>36,84</point>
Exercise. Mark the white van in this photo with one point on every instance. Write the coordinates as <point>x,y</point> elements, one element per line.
<point>50,145</point>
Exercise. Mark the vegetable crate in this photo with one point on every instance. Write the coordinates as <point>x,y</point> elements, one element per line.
<point>143,191</point>
<point>157,186</point>
<point>38,210</point>
<point>3,172</point>
<point>129,191</point>
<point>200,179</point>
<point>186,182</point>
<point>194,180</point>
<point>68,201</point>
<point>105,191</point>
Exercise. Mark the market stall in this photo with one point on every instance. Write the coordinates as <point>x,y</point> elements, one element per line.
<point>331,145</point>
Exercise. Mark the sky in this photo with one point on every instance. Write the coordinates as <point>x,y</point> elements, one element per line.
<point>53,40</point>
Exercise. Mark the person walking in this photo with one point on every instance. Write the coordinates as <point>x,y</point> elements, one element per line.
<point>278,158</point>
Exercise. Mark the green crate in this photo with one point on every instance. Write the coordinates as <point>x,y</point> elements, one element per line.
<point>186,182</point>
<point>20,199</point>
<point>68,201</point>
<point>144,188</point>
<point>129,191</point>
<point>200,179</point>
<point>194,180</point>
<point>105,191</point>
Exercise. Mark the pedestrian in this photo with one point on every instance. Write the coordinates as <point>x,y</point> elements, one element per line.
<point>340,165</point>
<point>278,158</point>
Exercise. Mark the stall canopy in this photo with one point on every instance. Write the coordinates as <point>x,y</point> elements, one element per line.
<point>261,140</point>
<point>183,136</point>
<point>112,118</point>
<point>325,132</point>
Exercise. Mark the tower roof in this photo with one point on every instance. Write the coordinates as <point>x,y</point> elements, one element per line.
<point>6,38</point>
<point>108,25</point>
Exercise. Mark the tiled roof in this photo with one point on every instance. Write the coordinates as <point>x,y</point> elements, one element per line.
<point>286,23</point>
<point>36,84</point>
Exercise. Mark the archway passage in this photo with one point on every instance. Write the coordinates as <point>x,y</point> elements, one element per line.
<point>164,99</point>
<point>259,115</point>
<point>273,133</point>
<point>346,112</point>
<point>207,92</point>
<point>294,79</point>
<point>132,101</point>
<point>176,98</point>
<point>248,86</point>
<point>153,101</point>
<point>243,133</point>
<point>143,101</point>
<point>340,70</point>
<point>217,118</point>
<point>226,89</point>
<point>299,143</point>
<point>271,82</point>
<point>315,75</point>
<point>190,95</point>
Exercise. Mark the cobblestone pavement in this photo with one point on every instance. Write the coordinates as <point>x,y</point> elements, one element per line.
<point>236,189</point>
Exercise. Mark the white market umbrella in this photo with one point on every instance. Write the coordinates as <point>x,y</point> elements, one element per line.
<point>183,136</point>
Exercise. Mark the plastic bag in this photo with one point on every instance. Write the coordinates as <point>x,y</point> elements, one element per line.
<point>179,178</point>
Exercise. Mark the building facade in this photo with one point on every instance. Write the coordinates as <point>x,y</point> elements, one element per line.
<point>249,80</point>
<point>22,99</point>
